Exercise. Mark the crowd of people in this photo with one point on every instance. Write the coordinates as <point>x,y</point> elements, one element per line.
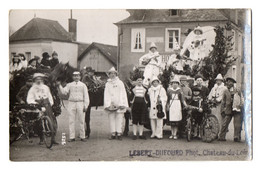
<point>149,100</point>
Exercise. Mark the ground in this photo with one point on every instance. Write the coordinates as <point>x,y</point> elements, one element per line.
<point>99,148</point>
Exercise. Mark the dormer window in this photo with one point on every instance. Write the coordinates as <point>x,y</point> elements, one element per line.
<point>173,12</point>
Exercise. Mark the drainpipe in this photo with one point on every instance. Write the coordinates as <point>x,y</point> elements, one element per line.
<point>120,33</point>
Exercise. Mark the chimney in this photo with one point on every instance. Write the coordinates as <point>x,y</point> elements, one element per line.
<point>73,27</point>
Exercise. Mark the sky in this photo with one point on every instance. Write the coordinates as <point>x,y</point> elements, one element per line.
<point>92,25</point>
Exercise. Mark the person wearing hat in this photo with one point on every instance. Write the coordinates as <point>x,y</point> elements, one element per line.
<point>174,105</point>
<point>23,60</point>
<point>216,95</point>
<point>187,93</point>
<point>198,105</point>
<point>16,64</point>
<point>78,104</point>
<point>157,95</point>
<point>49,61</point>
<point>115,103</point>
<point>231,108</point>
<point>89,79</point>
<point>39,93</point>
<point>23,92</point>
<point>152,62</point>
<point>139,101</point>
<point>32,64</point>
<point>199,83</point>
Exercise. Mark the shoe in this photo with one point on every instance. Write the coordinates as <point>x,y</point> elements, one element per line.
<point>222,139</point>
<point>119,137</point>
<point>171,137</point>
<point>152,137</point>
<point>71,140</point>
<point>112,137</point>
<point>175,137</point>
<point>159,138</point>
<point>142,137</point>
<point>236,140</point>
<point>55,142</point>
<point>134,137</point>
<point>83,140</point>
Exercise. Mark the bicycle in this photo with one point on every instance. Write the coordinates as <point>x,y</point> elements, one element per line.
<point>22,120</point>
<point>209,127</point>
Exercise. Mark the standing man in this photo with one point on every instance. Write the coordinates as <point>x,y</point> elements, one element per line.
<point>89,79</point>
<point>232,103</point>
<point>152,62</point>
<point>39,93</point>
<point>216,95</point>
<point>187,93</point>
<point>115,103</point>
<point>78,104</point>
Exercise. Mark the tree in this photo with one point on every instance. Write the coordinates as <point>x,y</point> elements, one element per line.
<point>219,60</point>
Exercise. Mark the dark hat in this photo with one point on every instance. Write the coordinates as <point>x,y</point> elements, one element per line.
<point>30,61</point>
<point>89,69</point>
<point>231,79</point>
<point>196,89</point>
<point>54,53</point>
<point>45,55</point>
<point>37,57</point>
<point>199,76</point>
<point>21,54</point>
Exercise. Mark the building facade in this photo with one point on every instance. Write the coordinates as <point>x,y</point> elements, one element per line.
<point>100,57</point>
<point>168,29</point>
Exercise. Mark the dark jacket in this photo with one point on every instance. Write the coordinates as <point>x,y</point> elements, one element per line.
<point>50,63</point>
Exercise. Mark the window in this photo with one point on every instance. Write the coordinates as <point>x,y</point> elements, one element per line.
<point>172,39</point>
<point>28,55</point>
<point>234,72</point>
<point>173,12</point>
<point>138,40</point>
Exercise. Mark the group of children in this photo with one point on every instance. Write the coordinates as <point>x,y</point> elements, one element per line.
<point>147,102</point>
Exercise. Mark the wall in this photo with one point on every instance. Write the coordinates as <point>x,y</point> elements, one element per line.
<point>96,60</point>
<point>130,59</point>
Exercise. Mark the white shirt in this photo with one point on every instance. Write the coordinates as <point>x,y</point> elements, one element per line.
<point>38,92</point>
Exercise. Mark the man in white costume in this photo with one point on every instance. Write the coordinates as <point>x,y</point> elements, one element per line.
<point>152,62</point>
<point>115,103</point>
<point>78,104</point>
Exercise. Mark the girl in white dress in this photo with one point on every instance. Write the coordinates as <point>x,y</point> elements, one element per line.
<point>174,105</point>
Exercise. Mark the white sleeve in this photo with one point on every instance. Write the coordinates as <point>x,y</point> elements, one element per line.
<point>64,90</point>
<point>123,96</point>
<point>107,100</point>
<point>30,97</point>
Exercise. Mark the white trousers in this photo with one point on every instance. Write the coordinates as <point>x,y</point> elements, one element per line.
<point>157,127</point>
<point>116,121</point>
<point>76,111</point>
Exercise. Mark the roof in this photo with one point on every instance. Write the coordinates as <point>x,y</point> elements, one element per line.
<point>39,28</point>
<point>162,15</point>
<point>109,51</point>
<point>82,47</point>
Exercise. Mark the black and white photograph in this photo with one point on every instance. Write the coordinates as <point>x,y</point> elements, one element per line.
<point>130,84</point>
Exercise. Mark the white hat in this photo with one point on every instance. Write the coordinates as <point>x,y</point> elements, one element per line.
<point>175,79</point>
<point>76,73</point>
<point>154,79</point>
<point>112,70</point>
<point>36,75</point>
<point>153,45</point>
<point>219,77</point>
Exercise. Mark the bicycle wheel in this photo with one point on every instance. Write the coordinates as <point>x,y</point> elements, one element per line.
<point>48,131</point>
<point>188,130</point>
<point>209,128</point>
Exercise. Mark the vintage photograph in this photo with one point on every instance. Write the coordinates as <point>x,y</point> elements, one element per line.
<point>130,85</point>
